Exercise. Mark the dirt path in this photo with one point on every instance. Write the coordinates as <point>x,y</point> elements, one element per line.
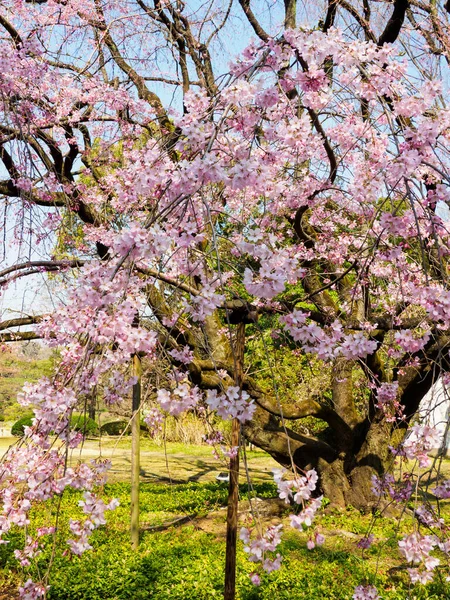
<point>177,462</point>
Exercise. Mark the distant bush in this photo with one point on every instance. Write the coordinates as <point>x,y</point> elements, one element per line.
<point>18,427</point>
<point>184,429</point>
<point>86,425</point>
<point>115,428</point>
<point>15,370</point>
<point>2,418</point>
<point>81,423</point>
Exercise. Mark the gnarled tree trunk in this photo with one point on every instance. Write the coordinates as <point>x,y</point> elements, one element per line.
<point>355,448</point>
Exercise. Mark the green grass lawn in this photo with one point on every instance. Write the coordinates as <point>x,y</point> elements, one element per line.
<point>186,563</point>
<point>171,462</point>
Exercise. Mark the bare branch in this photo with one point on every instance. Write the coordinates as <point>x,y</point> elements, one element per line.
<point>12,31</point>
<point>20,336</point>
<point>42,265</point>
<point>175,283</point>
<point>20,321</point>
<point>362,21</point>
<point>394,25</point>
<point>290,14</point>
<point>245,4</point>
<point>143,92</point>
<point>330,16</point>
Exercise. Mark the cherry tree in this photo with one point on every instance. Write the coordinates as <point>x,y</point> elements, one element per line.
<point>304,183</point>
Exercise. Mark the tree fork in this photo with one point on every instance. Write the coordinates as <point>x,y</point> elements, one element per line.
<point>233,488</point>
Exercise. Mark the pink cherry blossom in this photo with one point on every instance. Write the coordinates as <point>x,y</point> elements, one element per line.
<point>366,592</point>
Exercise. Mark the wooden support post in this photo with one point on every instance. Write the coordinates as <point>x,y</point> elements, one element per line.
<point>135,453</point>
<point>233,489</point>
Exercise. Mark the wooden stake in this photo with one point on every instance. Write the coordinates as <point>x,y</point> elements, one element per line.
<point>135,453</point>
<point>233,489</point>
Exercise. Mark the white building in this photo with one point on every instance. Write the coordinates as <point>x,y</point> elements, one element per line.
<point>434,410</point>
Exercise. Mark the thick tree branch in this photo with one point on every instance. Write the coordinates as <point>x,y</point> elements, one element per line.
<point>285,445</point>
<point>290,14</point>
<point>415,382</point>
<point>12,32</point>
<point>330,16</point>
<point>45,265</point>
<point>19,336</point>
<point>143,92</point>
<point>8,188</point>
<point>245,4</point>
<point>394,25</point>
<point>21,321</point>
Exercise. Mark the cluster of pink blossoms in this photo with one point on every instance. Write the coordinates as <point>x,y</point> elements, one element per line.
<point>154,420</point>
<point>442,490</point>
<point>409,342</point>
<point>416,549</point>
<point>299,491</point>
<point>330,344</point>
<point>366,592</point>
<point>258,548</point>
<point>33,591</point>
<point>52,408</point>
<point>184,355</point>
<point>388,402</point>
<point>399,491</point>
<point>278,267</point>
<point>182,398</point>
<point>421,440</point>
<point>95,509</point>
<point>232,404</point>
<point>36,470</point>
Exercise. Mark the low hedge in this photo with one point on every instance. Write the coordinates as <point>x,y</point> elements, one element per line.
<point>77,422</point>
<point>115,428</point>
<point>84,424</point>
<point>18,427</point>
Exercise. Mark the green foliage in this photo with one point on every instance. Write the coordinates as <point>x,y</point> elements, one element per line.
<point>115,428</point>
<point>83,423</point>
<point>15,371</point>
<point>18,428</point>
<point>298,375</point>
<point>187,563</point>
<point>289,375</point>
<point>77,422</point>
<point>175,565</point>
<point>70,236</point>
<point>189,498</point>
<point>187,428</point>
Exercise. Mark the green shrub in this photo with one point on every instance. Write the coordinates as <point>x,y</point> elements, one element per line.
<point>115,428</point>
<point>78,422</point>
<point>86,425</point>
<point>2,418</point>
<point>18,427</point>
